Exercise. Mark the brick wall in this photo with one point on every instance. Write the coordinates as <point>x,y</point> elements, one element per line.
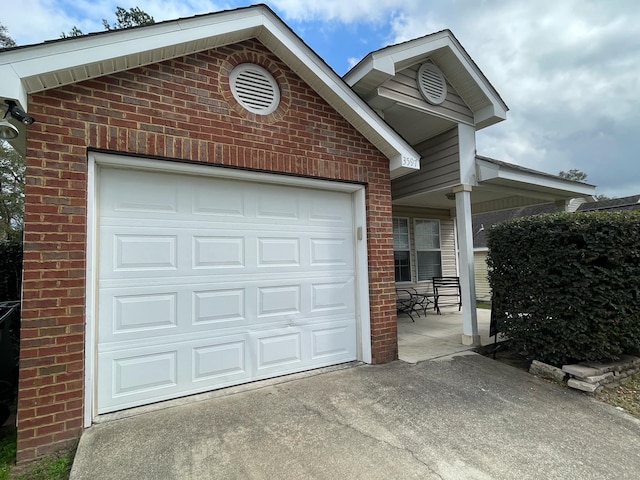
<point>180,109</point>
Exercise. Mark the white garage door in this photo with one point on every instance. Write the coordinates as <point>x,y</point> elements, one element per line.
<point>206,282</point>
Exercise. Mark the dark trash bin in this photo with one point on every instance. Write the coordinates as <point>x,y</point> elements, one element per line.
<point>9,318</point>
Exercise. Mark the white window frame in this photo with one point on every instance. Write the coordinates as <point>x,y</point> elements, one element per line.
<point>408,222</point>
<point>417,250</point>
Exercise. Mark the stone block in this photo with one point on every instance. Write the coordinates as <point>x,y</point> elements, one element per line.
<point>584,386</point>
<point>582,371</point>
<point>625,362</point>
<point>547,371</point>
<point>605,378</point>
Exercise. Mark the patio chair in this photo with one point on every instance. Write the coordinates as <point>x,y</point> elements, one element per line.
<point>406,302</point>
<point>447,290</point>
<point>422,300</point>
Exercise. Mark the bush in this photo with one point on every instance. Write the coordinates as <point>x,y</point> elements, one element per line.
<point>566,287</point>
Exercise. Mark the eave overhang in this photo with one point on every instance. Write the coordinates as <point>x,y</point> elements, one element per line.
<point>37,68</point>
<point>496,175</point>
<point>443,48</point>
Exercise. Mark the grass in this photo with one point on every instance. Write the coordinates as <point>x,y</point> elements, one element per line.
<point>55,467</point>
<point>626,396</point>
<point>7,451</point>
<point>483,305</point>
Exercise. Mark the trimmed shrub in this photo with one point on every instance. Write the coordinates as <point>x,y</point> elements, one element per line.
<point>566,286</point>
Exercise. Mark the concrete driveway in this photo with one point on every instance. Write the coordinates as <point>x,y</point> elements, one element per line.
<point>462,417</point>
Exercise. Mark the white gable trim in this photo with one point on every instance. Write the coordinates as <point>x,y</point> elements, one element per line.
<point>50,65</point>
<point>383,64</point>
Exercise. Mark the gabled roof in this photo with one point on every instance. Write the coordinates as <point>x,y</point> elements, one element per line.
<point>36,68</point>
<point>456,64</point>
<point>612,204</point>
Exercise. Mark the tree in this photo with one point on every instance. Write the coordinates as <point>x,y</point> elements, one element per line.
<point>5,40</point>
<point>574,174</point>
<point>579,176</point>
<point>12,168</point>
<point>134,17</point>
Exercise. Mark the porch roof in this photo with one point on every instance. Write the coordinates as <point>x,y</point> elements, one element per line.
<point>499,185</point>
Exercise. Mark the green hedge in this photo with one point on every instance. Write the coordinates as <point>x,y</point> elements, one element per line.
<point>566,287</point>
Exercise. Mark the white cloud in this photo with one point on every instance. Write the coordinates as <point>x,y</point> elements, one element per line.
<point>47,19</point>
<point>338,10</point>
<point>569,70</point>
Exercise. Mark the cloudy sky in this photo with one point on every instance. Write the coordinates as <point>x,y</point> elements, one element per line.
<point>568,69</point>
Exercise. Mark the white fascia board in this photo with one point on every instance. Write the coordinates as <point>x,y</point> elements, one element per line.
<point>384,64</point>
<point>478,77</point>
<point>12,86</point>
<point>489,115</point>
<point>72,53</point>
<point>488,171</point>
<point>397,150</point>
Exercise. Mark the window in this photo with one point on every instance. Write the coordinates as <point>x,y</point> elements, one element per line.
<point>428,254</point>
<point>401,253</point>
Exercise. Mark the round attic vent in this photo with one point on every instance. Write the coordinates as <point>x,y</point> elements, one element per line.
<point>432,83</point>
<point>255,89</point>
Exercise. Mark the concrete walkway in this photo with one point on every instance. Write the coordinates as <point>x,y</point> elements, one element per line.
<point>462,417</point>
<point>436,336</point>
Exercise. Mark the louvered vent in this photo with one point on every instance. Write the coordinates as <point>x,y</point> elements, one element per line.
<point>255,89</point>
<point>432,83</point>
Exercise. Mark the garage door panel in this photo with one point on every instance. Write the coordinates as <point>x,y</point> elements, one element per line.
<point>274,205</point>
<point>279,349</point>
<point>218,283</point>
<point>278,252</point>
<point>332,296</point>
<point>218,199</point>
<point>145,312</point>
<point>220,307</point>
<point>147,374</point>
<point>329,209</point>
<point>145,252</point>
<point>279,300</point>
<point>134,314</point>
<point>140,310</point>
<point>216,252</point>
<point>140,252</point>
<point>224,359</point>
<point>126,193</point>
<point>333,342</point>
<point>130,376</point>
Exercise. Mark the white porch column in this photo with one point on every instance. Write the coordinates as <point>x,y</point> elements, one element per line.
<point>467,145</point>
<point>470,335</point>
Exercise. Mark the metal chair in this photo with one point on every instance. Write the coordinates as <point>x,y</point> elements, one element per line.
<point>406,302</point>
<point>447,287</point>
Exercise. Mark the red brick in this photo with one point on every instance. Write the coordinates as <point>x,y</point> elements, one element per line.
<point>305,136</point>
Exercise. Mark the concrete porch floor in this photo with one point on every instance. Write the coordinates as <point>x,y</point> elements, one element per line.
<point>435,335</point>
